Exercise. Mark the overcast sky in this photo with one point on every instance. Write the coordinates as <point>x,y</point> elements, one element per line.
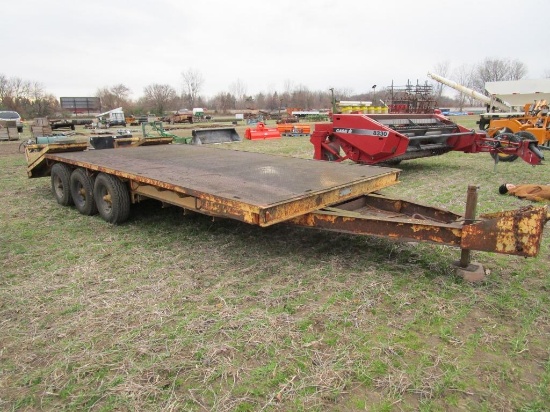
<point>75,47</point>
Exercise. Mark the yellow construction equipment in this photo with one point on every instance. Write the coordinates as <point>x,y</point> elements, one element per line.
<point>532,124</point>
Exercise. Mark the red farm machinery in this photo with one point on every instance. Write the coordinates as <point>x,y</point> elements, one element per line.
<point>391,138</point>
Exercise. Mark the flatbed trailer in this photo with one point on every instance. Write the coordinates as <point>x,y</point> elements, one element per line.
<point>263,190</point>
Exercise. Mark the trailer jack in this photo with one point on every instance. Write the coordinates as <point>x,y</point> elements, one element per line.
<point>472,272</point>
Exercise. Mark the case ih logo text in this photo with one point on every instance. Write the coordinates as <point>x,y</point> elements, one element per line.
<point>364,132</point>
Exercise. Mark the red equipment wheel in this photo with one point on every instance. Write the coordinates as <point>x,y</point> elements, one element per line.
<point>506,136</point>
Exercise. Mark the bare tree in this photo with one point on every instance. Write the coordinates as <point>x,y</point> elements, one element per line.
<point>106,97</point>
<point>441,69</point>
<point>4,88</point>
<point>496,70</point>
<point>288,86</point>
<point>20,87</point>
<point>261,101</point>
<point>121,93</point>
<point>463,75</point>
<point>115,96</point>
<point>13,92</point>
<point>271,100</point>
<point>192,84</point>
<point>239,89</point>
<point>39,102</point>
<point>159,97</point>
<point>223,102</point>
<point>301,97</point>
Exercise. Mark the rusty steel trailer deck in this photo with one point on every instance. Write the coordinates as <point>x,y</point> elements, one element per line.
<point>263,190</point>
<point>253,187</point>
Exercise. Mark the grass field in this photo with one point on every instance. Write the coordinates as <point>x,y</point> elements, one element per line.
<point>182,313</point>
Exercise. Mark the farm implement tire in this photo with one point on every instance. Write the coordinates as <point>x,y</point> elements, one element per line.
<point>328,156</point>
<point>112,198</point>
<point>526,136</point>
<point>82,189</point>
<point>506,137</point>
<point>390,163</point>
<point>533,146</point>
<point>60,176</point>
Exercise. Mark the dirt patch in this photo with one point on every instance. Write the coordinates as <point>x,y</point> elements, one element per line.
<point>8,148</point>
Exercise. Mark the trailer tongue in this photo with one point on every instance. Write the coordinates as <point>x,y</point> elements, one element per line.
<point>264,190</point>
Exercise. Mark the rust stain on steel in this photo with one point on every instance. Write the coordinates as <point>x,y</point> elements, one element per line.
<point>414,210</point>
<point>229,182</point>
<point>283,212</point>
<point>200,205</point>
<point>35,155</point>
<point>517,232</point>
<point>136,180</point>
<point>402,228</point>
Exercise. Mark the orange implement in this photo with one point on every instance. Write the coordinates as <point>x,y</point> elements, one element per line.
<point>294,128</point>
<point>262,133</point>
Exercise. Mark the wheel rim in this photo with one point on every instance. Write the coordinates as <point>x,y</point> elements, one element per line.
<point>80,197</point>
<point>58,186</point>
<point>104,201</point>
<point>503,157</point>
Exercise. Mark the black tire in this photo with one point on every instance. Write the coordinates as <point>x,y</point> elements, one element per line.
<point>507,136</point>
<point>82,192</point>
<point>112,198</point>
<point>526,136</point>
<point>328,156</point>
<point>61,175</point>
<point>391,162</point>
<point>534,147</point>
<point>484,123</point>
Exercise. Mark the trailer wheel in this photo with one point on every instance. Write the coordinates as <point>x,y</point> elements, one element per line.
<point>112,198</point>
<point>82,192</point>
<point>506,136</point>
<point>61,175</point>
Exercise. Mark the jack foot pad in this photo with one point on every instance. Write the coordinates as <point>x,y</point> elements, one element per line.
<point>474,272</point>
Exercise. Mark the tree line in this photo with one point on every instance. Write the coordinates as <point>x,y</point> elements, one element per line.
<point>30,99</point>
